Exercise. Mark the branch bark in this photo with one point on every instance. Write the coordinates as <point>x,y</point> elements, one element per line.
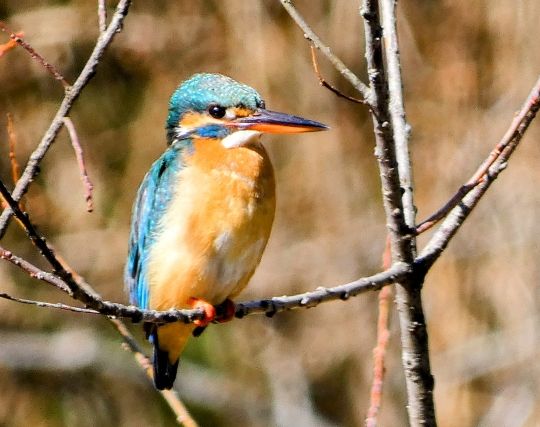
<point>391,137</point>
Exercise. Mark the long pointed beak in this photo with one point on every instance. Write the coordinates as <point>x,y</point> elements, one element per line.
<point>273,122</point>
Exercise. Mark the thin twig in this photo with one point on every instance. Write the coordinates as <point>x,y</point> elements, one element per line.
<point>102,16</point>
<point>48,304</point>
<point>327,85</point>
<point>34,271</point>
<point>17,38</point>
<point>460,212</point>
<point>88,187</point>
<point>522,118</point>
<point>89,70</point>
<point>310,35</point>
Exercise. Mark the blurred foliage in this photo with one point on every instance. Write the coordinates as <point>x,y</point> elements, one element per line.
<point>467,67</point>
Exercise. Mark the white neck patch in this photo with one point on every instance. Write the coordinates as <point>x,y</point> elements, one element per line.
<point>240,138</point>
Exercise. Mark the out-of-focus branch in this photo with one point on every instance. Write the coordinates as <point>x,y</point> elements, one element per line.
<point>391,137</point>
<point>379,352</point>
<point>88,187</point>
<point>461,211</point>
<point>17,38</point>
<point>12,139</point>
<point>171,397</point>
<point>517,128</point>
<point>32,167</point>
<point>310,35</point>
<point>102,16</point>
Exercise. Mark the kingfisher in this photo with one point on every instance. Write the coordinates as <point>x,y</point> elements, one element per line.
<point>204,211</point>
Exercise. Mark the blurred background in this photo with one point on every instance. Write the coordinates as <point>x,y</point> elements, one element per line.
<point>467,68</point>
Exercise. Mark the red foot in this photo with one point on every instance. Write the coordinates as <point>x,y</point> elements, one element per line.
<point>226,311</point>
<point>209,311</point>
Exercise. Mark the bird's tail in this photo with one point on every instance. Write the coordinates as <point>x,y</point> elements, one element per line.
<point>169,341</point>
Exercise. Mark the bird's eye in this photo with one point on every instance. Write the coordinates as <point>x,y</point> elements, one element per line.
<point>217,111</point>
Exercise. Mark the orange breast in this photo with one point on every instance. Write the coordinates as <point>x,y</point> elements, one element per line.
<point>214,232</point>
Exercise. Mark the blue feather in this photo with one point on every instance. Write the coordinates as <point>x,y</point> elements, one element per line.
<point>153,198</point>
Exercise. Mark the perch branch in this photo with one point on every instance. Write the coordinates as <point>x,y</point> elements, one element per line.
<point>32,167</point>
<point>310,35</point>
<point>88,187</point>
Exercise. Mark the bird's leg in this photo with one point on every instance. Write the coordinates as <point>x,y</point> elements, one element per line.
<point>209,311</point>
<point>225,311</point>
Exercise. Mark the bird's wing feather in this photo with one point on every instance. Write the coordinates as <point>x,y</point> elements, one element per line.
<point>153,197</point>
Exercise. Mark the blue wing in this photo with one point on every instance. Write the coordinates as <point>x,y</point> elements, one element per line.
<point>153,197</point>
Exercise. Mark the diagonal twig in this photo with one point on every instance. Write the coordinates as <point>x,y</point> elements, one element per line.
<point>460,212</point>
<point>310,35</point>
<point>17,38</point>
<point>519,124</point>
<point>88,186</point>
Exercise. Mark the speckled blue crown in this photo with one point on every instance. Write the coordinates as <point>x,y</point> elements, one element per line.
<point>201,90</point>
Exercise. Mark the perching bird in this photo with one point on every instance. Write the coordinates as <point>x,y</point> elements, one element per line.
<point>204,211</point>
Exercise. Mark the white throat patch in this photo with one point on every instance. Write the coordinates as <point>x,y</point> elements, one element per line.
<point>240,138</point>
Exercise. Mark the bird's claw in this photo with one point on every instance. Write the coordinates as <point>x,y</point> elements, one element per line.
<point>208,309</point>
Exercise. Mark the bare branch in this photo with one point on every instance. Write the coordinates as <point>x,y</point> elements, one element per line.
<point>506,146</point>
<point>17,38</point>
<point>391,136</point>
<point>32,167</point>
<point>12,139</point>
<point>327,85</point>
<point>517,128</point>
<point>88,187</point>
<point>48,304</point>
<point>310,35</point>
<point>34,271</point>
<point>102,16</point>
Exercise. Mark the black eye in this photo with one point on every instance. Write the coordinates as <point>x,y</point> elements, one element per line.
<point>217,111</point>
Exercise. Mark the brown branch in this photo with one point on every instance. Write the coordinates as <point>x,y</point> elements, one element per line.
<point>88,187</point>
<point>48,304</point>
<point>327,85</point>
<point>12,139</point>
<point>11,44</point>
<point>32,167</point>
<point>310,35</point>
<point>17,38</point>
<point>507,145</point>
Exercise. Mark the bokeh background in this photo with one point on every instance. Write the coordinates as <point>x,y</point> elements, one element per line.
<point>467,67</point>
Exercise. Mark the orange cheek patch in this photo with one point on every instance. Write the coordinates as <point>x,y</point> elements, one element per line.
<point>242,112</point>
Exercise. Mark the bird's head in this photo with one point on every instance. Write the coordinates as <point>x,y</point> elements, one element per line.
<point>216,106</point>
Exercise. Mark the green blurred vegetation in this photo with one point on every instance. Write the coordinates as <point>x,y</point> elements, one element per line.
<point>467,67</point>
